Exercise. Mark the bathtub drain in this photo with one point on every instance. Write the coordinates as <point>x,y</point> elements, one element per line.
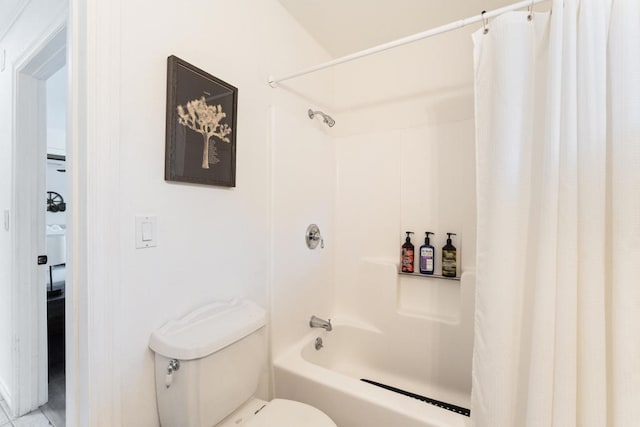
<point>448,406</point>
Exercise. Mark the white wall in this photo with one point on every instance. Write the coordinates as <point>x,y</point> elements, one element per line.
<point>56,94</point>
<point>213,242</point>
<point>36,18</point>
<point>56,112</point>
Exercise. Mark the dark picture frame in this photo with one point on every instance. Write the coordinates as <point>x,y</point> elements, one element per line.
<point>201,126</point>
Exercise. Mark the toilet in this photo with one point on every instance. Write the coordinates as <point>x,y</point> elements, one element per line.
<point>207,368</point>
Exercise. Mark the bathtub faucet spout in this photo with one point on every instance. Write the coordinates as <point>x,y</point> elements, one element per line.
<point>317,322</point>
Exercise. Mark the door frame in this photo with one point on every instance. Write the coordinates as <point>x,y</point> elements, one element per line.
<point>94,241</point>
<point>29,310</point>
<point>95,244</point>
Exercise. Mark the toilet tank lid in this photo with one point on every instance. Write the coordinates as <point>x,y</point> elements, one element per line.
<point>208,329</point>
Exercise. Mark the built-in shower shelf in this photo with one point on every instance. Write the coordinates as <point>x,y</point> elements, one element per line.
<point>430,276</point>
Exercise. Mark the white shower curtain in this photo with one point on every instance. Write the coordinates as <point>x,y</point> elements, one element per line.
<point>557,334</point>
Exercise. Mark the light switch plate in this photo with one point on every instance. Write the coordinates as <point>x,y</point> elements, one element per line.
<point>146,231</point>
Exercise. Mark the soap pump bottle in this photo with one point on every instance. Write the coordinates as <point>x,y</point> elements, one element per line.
<point>427,253</point>
<point>406,260</point>
<point>449,256</point>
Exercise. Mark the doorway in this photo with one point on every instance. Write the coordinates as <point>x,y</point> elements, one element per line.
<point>39,232</point>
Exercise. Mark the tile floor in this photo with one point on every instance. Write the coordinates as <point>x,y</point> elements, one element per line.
<point>32,419</point>
<point>50,414</point>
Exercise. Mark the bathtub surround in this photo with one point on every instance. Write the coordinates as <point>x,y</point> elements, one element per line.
<point>374,190</point>
<point>558,300</point>
<point>303,178</point>
<point>379,171</point>
<point>391,148</point>
<point>403,353</point>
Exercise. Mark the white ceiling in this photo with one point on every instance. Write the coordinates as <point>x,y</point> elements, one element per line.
<point>347,26</point>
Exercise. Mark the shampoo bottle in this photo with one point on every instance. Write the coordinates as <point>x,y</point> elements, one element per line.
<point>449,257</point>
<point>406,259</point>
<point>427,253</point>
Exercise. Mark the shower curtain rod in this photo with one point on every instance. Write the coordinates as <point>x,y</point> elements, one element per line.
<point>408,39</point>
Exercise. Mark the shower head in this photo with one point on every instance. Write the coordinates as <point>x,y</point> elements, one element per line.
<point>327,119</point>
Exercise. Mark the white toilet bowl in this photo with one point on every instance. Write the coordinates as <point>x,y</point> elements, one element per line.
<point>277,413</point>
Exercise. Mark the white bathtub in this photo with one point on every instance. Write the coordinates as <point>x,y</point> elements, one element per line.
<point>329,379</point>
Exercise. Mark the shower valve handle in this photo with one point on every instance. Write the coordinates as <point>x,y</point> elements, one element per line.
<point>313,236</point>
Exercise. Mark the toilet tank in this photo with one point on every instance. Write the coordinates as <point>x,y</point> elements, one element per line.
<point>221,350</point>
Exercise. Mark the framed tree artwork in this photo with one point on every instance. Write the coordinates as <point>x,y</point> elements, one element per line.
<point>201,126</point>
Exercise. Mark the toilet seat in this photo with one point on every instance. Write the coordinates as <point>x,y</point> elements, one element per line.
<point>288,413</point>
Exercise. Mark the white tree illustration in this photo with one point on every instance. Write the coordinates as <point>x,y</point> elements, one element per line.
<point>205,119</point>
